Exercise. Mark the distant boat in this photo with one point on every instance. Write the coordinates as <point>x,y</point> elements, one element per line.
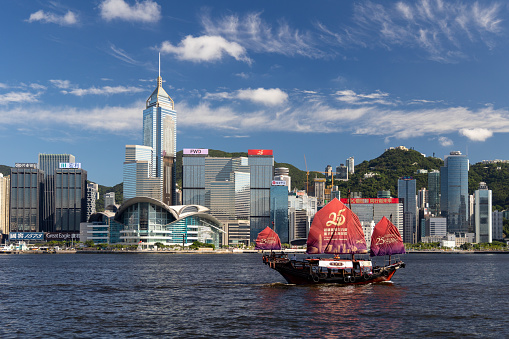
<point>337,230</point>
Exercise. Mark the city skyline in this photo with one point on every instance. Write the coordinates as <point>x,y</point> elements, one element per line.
<point>339,80</point>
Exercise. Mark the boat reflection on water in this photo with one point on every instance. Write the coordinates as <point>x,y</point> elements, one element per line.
<point>332,311</point>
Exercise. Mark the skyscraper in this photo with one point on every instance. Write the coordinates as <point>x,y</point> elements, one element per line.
<point>454,198</point>
<point>27,185</point>
<point>138,173</point>
<point>407,192</point>
<point>434,192</point>
<point>48,163</point>
<point>70,199</point>
<point>160,133</point>
<point>261,167</point>
<point>5,185</point>
<point>350,164</point>
<point>483,214</point>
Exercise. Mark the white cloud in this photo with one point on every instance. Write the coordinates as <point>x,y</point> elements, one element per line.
<point>445,142</point>
<point>205,48</point>
<point>18,97</point>
<point>257,35</point>
<point>476,134</point>
<point>3,85</point>
<point>440,31</point>
<point>351,97</point>
<point>145,11</point>
<point>63,84</point>
<point>68,19</point>
<point>105,90</point>
<point>37,87</point>
<point>117,119</point>
<point>120,54</point>
<point>271,96</point>
<point>268,97</point>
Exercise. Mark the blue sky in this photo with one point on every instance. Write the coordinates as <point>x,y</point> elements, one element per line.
<point>330,80</point>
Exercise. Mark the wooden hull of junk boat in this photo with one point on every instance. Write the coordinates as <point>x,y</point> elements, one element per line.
<point>297,272</point>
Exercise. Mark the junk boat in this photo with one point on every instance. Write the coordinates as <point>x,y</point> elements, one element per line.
<point>337,230</point>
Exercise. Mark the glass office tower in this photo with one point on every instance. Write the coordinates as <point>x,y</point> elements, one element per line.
<point>137,173</point>
<point>261,165</point>
<point>434,192</point>
<point>70,199</point>
<point>160,133</point>
<point>26,198</point>
<point>48,163</point>
<point>407,192</point>
<point>454,198</point>
<point>279,212</point>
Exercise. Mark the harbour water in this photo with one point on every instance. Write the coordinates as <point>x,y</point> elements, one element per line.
<point>235,295</point>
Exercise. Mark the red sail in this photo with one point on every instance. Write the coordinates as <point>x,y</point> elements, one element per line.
<point>386,239</point>
<point>336,230</point>
<point>268,240</point>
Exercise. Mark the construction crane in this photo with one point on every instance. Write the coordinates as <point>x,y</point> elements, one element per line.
<point>307,174</point>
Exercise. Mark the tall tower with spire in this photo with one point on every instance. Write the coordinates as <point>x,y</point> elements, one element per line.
<point>160,133</point>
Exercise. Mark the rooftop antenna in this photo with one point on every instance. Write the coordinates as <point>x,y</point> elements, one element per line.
<point>159,63</point>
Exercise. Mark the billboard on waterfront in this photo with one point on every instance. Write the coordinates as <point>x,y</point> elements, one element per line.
<point>62,236</point>
<point>15,236</point>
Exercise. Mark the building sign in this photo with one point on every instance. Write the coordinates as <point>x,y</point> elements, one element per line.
<point>278,183</point>
<point>196,151</point>
<point>70,165</point>
<point>13,236</point>
<point>61,236</point>
<point>25,165</point>
<point>259,152</point>
<point>371,201</point>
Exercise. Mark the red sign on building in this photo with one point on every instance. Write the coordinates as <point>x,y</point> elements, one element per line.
<point>259,152</point>
<point>371,201</point>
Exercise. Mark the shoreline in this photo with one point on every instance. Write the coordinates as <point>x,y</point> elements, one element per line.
<point>237,251</point>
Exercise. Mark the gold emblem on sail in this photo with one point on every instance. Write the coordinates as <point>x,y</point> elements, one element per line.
<point>336,219</point>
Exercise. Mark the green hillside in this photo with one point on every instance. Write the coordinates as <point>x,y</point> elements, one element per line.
<point>496,176</point>
<point>389,167</point>
<point>5,170</point>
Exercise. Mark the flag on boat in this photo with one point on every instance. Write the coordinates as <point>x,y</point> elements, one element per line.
<point>268,240</point>
<point>386,239</point>
<point>336,230</point>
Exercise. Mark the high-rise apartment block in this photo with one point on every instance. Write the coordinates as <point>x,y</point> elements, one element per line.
<point>109,199</point>
<point>5,185</point>
<point>92,196</point>
<point>350,164</point>
<point>497,219</point>
<point>483,214</point>
<point>454,200</point>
